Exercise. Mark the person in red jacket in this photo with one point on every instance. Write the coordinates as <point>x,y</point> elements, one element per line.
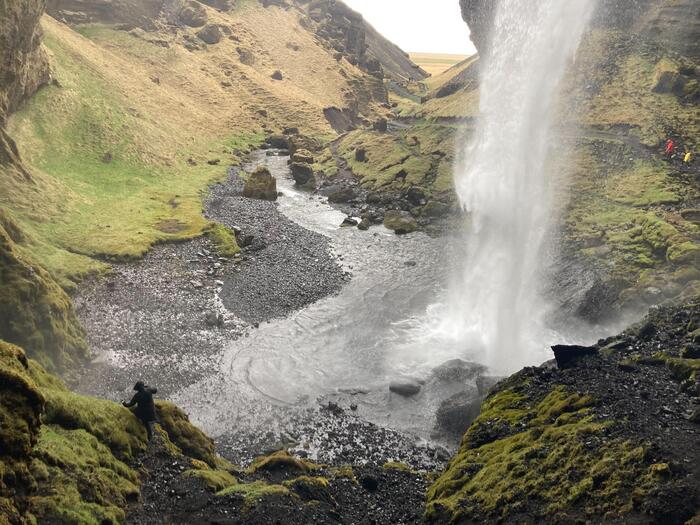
<point>670,148</point>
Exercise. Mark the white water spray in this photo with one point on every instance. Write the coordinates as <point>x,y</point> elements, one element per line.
<point>496,307</point>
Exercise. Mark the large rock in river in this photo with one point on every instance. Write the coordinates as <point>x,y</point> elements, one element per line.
<point>261,185</point>
<point>400,221</point>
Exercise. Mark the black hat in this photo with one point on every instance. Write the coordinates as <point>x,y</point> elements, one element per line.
<point>139,386</point>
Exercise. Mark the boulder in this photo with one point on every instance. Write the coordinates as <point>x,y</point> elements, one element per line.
<point>342,195</point>
<point>667,78</point>
<point>405,387</point>
<point>457,370</point>
<point>400,222</point>
<point>361,155</point>
<point>349,222</point>
<point>416,196</point>
<point>261,185</point>
<point>458,412</point>
<point>381,125</point>
<point>568,355</point>
<point>193,15</point>
<point>210,34</point>
<point>365,224</point>
<point>303,173</point>
<point>303,156</point>
<point>277,75</point>
<point>278,141</point>
<point>436,209</point>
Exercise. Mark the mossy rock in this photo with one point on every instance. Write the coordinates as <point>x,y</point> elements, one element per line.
<point>282,460</point>
<point>35,313</point>
<point>216,480</point>
<point>400,222</point>
<point>311,489</point>
<point>224,239</point>
<point>261,185</point>
<point>188,438</point>
<point>255,492</point>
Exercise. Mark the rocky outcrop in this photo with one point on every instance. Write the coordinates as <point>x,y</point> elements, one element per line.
<point>127,12</point>
<point>349,36</point>
<point>589,442</point>
<point>23,64</point>
<point>674,24</point>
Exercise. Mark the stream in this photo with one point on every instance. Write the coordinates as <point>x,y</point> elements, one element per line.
<point>346,348</point>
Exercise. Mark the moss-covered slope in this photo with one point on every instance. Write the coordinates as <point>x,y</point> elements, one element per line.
<point>610,439</point>
<point>67,458</point>
<point>35,313</point>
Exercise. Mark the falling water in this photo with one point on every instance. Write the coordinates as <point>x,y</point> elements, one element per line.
<point>497,307</point>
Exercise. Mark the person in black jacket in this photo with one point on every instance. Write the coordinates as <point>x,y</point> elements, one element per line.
<point>145,407</point>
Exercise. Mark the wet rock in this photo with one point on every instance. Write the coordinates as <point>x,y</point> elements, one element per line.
<point>365,224</point>
<point>214,319</point>
<point>369,483</point>
<point>278,141</point>
<point>457,370</point>
<point>568,355</point>
<point>303,173</point>
<point>458,412</point>
<point>695,416</point>
<point>400,222</point>
<point>485,383</point>
<point>406,387</point>
<point>349,222</point>
<point>342,195</point>
<point>436,209</point>
<point>647,331</point>
<point>210,34</point>
<point>692,351</point>
<point>416,196</point>
<point>261,185</point>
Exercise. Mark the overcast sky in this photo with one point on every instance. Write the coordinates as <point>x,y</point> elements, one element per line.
<point>417,25</point>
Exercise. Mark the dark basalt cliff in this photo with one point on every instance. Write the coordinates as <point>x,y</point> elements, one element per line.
<point>672,24</point>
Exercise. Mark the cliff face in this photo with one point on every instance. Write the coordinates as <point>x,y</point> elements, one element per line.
<point>670,23</point>
<point>23,63</point>
<point>134,14</point>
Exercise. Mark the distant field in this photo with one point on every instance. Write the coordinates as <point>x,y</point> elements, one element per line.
<point>435,63</point>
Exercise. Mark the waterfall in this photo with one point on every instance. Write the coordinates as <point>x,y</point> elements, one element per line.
<point>496,307</point>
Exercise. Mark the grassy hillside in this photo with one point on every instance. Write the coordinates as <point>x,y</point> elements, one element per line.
<point>136,124</point>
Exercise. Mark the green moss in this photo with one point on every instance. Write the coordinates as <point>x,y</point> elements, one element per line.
<point>344,472</point>
<point>395,465</point>
<point>216,480</point>
<point>86,484</point>
<point>224,240</point>
<point>192,441</point>
<point>281,460</point>
<point>35,313</point>
<point>113,425</point>
<point>684,252</point>
<point>645,184</point>
<point>312,489</point>
<point>540,454</point>
<point>255,492</point>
